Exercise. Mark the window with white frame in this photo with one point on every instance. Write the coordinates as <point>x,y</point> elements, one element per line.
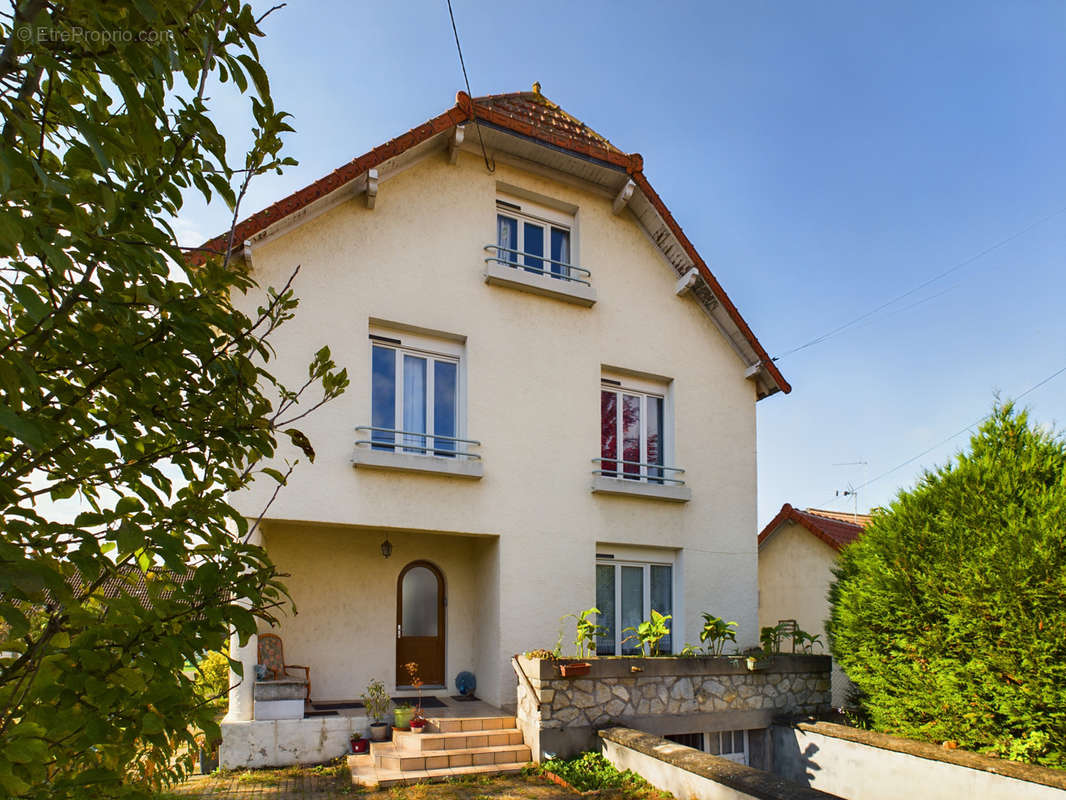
<point>727,744</point>
<point>414,399</point>
<point>626,594</point>
<point>631,433</point>
<point>535,238</point>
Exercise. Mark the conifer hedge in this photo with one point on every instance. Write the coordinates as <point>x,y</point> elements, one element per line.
<point>949,613</point>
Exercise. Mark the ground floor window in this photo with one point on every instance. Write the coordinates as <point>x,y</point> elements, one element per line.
<point>727,744</point>
<point>626,593</point>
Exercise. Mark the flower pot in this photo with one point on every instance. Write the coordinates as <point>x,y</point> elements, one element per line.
<point>379,731</point>
<point>359,745</point>
<point>416,728</point>
<point>402,718</point>
<point>575,669</point>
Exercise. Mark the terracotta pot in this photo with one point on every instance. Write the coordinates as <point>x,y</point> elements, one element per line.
<point>575,669</point>
<point>379,731</point>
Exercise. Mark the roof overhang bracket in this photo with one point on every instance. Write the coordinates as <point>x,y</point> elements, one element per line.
<point>623,197</point>
<point>753,371</point>
<point>455,143</point>
<point>246,253</point>
<point>371,178</point>
<point>687,282</point>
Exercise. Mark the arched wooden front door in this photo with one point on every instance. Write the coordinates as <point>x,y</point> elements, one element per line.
<point>420,623</point>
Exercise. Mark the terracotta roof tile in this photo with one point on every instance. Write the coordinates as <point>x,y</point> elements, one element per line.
<point>833,527</point>
<point>535,109</point>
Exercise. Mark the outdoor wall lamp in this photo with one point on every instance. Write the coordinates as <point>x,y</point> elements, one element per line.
<point>386,547</point>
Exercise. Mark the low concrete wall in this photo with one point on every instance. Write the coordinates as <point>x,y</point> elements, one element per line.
<point>864,765</point>
<point>284,742</point>
<point>691,775</point>
<point>665,695</point>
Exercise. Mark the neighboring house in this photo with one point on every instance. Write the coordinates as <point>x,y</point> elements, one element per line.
<point>552,406</point>
<point>797,552</point>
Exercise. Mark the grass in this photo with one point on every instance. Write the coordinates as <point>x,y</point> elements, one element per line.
<point>332,782</point>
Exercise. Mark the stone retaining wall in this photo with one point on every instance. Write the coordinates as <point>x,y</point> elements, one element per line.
<point>663,696</point>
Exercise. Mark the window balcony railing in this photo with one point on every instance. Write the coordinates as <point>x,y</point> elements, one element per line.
<point>638,471</point>
<point>528,262</point>
<point>416,443</point>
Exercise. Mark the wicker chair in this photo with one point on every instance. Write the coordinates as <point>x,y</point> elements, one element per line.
<point>272,656</point>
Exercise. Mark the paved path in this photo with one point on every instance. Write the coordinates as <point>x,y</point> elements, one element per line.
<point>273,786</point>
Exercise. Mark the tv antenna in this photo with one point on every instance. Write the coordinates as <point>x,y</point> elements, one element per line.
<point>852,490</point>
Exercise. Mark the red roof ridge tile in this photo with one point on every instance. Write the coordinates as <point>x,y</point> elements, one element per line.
<point>835,532</point>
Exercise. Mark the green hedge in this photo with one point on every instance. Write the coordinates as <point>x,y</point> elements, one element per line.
<point>949,613</point>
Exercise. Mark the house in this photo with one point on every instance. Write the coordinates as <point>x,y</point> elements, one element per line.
<point>552,406</point>
<point>797,553</point>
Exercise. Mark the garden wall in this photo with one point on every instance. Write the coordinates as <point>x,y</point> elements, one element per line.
<point>689,774</point>
<point>865,765</point>
<point>665,695</point>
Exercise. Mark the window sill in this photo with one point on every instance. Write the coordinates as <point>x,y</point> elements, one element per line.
<point>365,458</point>
<point>518,278</point>
<point>651,491</point>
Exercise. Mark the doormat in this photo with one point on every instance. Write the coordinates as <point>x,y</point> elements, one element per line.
<point>427,702</point>
<point>321,714</point>
<point>464,698</point>
<point>331,706</point>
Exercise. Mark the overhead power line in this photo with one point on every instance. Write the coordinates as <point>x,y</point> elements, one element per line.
<point>955,268</point>
<point>947,439</point>
<point>490,167</point>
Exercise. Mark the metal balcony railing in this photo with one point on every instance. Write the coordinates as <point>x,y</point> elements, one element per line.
<point>416,442</point>
<point>637,471</point>
<point>564,272</point>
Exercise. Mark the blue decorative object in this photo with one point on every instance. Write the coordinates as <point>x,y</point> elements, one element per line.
<point>466,683</point>
<point>260,672</point>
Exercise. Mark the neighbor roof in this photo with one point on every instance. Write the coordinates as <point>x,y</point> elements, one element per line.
<point>835,528</point>
<point>530,115</point>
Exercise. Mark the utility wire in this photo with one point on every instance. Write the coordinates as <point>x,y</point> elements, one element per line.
<point>965,262</point>
<point>944,441</point>
<point>490,167</point>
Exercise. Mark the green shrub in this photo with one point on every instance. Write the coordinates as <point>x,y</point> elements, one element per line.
<point>949,613</point>
<point>212,678</point>
<point>591,771</point>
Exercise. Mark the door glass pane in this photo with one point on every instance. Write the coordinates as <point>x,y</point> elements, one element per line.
<point>609,431</point>
<point>507,238</point>
<point>655,438</point>
<point>605,643</point>
<point>414,400</point>
<point>534,246</point>
<point>713,746</point>
<point>662,600</point>
<point>419,594</point>
<point>632,604</point>
<point>738,741</point>
<point>727,743</point>
<point>560,251</point>
<point>631,435</point>
<point>383,396</point>
<point>444,406</point>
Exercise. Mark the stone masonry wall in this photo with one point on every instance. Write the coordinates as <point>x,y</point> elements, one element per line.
<point>665,695</point>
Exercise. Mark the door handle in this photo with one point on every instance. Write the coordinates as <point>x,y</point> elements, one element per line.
<point>399,634</point>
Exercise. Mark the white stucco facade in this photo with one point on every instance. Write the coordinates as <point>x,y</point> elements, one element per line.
<point>517,543</point>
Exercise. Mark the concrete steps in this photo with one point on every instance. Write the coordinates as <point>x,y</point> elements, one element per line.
<point>449,747</point>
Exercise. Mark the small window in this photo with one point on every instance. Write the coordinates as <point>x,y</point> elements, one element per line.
<point>728,744</point>
<point>626,593</point>
<point>414,401</point>
<point>531,242</point>
<point>631,434</point>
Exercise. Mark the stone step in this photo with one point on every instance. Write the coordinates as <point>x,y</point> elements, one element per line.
<point>455,740</point>
<point>398,760</point>
<point>365,773</point>
<point>461,724</point>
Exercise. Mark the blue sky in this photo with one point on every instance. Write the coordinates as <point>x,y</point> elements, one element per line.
<point>823,158</point>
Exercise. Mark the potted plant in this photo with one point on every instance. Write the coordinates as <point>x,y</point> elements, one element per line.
<point>418,722</point>
<point>359,744</point>
<point>584,642</point>
<point>376,701</point>
<point>402,715</point>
